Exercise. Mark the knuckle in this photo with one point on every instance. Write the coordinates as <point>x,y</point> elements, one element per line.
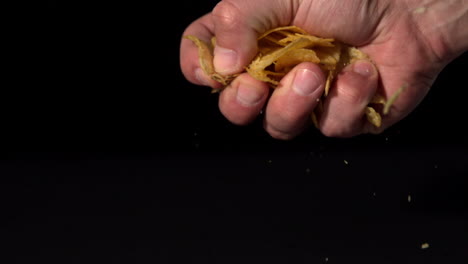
<point>226,14</point>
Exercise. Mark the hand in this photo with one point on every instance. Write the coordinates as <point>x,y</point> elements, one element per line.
<point>398,35</point>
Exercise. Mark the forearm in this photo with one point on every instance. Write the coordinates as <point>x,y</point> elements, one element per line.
<point>444,24</point>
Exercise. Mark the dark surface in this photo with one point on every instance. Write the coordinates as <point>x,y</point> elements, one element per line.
<point>107,158</point>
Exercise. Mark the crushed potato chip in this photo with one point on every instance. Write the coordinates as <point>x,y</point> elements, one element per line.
<point>392,99</point>
<point>425,246</point>
<point>373,117</point>
<point>205,53</point>
<point>294,57</point>
<point>281,49</point>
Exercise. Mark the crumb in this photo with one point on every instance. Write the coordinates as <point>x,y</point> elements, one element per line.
<point>307,170</point>
<point>346,162</point>
<point>326,259</point>
<point>409,198</point>
<point>270,161</point>
<point>374,194</point>
<point>425,246</point>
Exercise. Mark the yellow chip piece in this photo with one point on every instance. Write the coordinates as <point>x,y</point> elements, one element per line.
<point>373,117</point>
<point>294,57</point>
<point>205,55</point>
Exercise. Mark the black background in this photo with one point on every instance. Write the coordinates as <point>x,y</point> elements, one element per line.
<point>110,156</point>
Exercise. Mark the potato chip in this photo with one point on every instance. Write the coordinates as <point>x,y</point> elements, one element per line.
<point>281,49</point>
<point>292,29</point>
<point>257,67</point>
<point>328,83</point>
<point>205,54</point>
<point>373,117</point>
<point>273,41</point>
<point>329,56</point>
<point>294,57</point>
<point>315,120</point>
<point>392,99</point>
<point>314,41</point>
<point>378,99</point>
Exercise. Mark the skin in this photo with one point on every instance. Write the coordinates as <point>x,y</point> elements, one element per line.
<point>409,41</point>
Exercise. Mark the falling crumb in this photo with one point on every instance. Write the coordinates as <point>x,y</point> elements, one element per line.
<point>436,166</point>
<point>270,161</point>
<point>326,259</point>
<point>419,10</point>
<point>374,194</point>
<point>409,198</point>
<point>307,170</point>
<point>346,162</point>
<point>386,139</point>
<point>425,246</point>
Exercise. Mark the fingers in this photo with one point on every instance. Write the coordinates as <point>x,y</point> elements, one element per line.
<point>243,100</point>
<point>237,24</point>
<point>289,108</point>
<point>343,114</point>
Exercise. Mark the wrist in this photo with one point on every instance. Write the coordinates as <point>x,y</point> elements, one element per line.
<point>444,24</point>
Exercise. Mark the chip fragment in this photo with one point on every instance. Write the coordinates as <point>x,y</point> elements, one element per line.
<point>373,117</point>
<point>281,49</point>
<point>205,54</point>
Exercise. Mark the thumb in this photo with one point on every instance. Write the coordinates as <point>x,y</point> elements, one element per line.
<point>237,24</point>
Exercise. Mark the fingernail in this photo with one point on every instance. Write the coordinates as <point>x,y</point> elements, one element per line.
<point>225,60</point>
<point>306,82</point>
<point>248,95</point>
<point>200,76</point>
<point>363,68</point>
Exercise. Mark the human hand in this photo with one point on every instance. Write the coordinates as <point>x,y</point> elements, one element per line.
<point>398,35</point>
